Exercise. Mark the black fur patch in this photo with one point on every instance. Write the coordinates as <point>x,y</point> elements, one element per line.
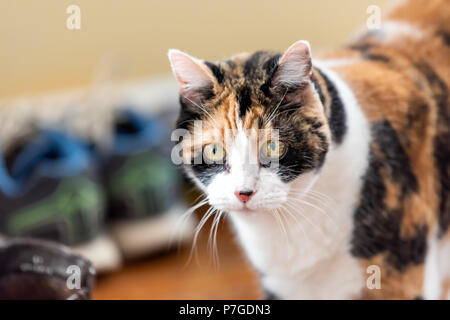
<point>409,250</point>
<point>445,35</point>
<point>337,120</point>
<point>245,100</point>
<point>265,89</point>
<point>362,47</point>
<point>395,156</point>
<point>270,66</point>
<point>371,226</point>
<point>205,172</point>
<point>252,64</point>
<point>269,295</point>
<point>216,70</point>
<point>187,116</point>
<point>365,50</point>
<point>295,162</point>
<point>377,228</point>
<point>376,57</point>
<point>189,108</point>
<point>319,90</point>
<point>299,157</point>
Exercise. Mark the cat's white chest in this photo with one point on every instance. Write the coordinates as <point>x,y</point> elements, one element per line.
<point>306,257</point>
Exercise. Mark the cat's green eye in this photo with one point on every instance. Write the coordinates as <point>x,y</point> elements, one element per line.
<point>273,149</point>
<point>214,152</point>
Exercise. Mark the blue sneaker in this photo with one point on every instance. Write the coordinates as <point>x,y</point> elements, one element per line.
<point>50,189</point>
<point>144,188</point>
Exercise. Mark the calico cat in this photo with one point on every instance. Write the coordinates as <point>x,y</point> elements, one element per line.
<point>361,141</point>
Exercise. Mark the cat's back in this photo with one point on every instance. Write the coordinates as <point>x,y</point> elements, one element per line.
<point>400,76</point>
<point>402,64</point>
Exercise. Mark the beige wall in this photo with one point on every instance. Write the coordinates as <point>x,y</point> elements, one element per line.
<point>39,53</point>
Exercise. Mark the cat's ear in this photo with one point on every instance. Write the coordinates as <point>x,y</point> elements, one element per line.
<point>193,75</point>
<point>294,67</point>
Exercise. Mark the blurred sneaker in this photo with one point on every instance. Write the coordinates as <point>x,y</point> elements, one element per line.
<point>144,188</point>
<point>49,189</point>
<point>33,269</point>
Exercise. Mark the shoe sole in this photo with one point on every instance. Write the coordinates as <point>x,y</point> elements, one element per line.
<point>151,235</point>
<point>103,253</point>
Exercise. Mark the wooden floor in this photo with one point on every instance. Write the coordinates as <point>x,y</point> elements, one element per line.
<point>170,276</point>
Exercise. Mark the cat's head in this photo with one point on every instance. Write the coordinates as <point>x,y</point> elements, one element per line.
<point>256,126</point>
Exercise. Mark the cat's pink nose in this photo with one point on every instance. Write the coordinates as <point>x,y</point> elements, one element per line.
<point>244,195</point>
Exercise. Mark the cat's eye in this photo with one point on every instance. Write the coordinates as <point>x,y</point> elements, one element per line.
<point>214,152</point>
<point>273,149</point>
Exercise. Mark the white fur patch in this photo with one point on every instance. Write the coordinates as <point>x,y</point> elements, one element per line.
<point>394,29</point>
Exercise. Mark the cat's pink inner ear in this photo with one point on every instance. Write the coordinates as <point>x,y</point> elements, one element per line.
<point>190,72</point>
<point>295,66</point>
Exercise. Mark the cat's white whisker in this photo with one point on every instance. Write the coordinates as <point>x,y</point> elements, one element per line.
<point>298,211</point>
<point>313,206</point>
<point>320,194</point>
<point>214,228</point>
<point>216,125</point>
<point>278,216</point>
<point>296,221</point>
<point>327,207</point>
<point>182,220</point>
<point>211,245</point>
<point>272,114</point>
<point>200,225</point>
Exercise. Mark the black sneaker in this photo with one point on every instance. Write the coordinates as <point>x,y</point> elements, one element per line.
<point>143,186</point>
<point>36,269</point>
<point>49,189</point>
